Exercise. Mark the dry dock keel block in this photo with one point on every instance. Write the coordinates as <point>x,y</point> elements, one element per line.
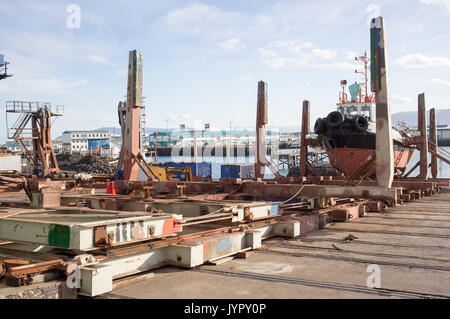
<point>98,278</point>
<point>86,229</point>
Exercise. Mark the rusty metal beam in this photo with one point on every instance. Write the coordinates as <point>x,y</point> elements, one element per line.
<point>312,168</point>
<point>433,137</point>
<point>304,133</point>
<point>267,191</point>
<point>23,271</point>
<point>408,185</point>
<point>366,164</point>
<point>422,126</point>
<point>129,118</point>
<point>261,121</point>
<point>384,143</point>
<point>411,170</point>
<point>446,160</point>
<point>289,190</point>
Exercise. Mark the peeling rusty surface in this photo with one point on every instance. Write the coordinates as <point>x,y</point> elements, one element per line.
<point>24,270</point>
<point>10,263</point>
<point>100,235</point>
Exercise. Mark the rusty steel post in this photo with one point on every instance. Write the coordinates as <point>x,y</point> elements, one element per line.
<point>422,126</point>
<point>261,121</point>
<point>304,133</point>
<point>433,137</point>
<point>132,132</point>
<point>43,151</point>
<point>379,72</point>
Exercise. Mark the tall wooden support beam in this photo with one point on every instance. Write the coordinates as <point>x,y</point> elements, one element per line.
<point>422,126</point>
<point>261,121</point>
<point>433,137</point>
<point>130,122</point>
<point>303,143</point>
<point>379,85</point>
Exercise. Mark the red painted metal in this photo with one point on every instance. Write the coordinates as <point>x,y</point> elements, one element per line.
<point>348,160</point>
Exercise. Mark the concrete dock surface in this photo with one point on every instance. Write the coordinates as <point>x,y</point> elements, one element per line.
<point>408,243</point>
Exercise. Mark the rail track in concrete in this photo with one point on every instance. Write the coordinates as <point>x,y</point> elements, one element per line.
<point>364,290</point>
<point>323,264</point>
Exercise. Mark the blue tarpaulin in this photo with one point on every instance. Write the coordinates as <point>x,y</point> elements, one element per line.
<point>97,143</point>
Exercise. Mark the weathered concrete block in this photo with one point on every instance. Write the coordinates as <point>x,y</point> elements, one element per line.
<point>289,228</point>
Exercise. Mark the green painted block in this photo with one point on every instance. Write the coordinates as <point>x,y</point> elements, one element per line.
<point>59,235</point>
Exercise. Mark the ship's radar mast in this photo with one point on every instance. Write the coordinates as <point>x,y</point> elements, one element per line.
<point>365,60</point>
<point>356,89</point>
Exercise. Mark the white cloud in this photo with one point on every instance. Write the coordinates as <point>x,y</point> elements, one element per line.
<point>201,18</point>
<point>291,54</point>
<point>395,98</point>
<point>445,3</point>
<point>98,59</point>
<point>245,78</point>
<point>417,60</point>
<point>232,45</point>
<point>266,53</point>
<point>41,85</point>
<point>278,63</point>
<point>283,44</point>
<point>440,81</point>
<point>350,55</point>
<point>121,72</point>
<point>340,66</point>
<point>324,53</point>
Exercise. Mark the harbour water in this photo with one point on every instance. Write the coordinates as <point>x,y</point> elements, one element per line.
<point>217,161</point>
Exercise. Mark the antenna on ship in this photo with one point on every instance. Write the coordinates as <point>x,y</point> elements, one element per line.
<point>365,60</point>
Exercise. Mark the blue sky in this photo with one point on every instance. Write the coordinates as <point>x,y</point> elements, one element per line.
<point>202,59</point>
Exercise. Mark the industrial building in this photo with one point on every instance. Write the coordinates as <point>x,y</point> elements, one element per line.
<point>85,141</point>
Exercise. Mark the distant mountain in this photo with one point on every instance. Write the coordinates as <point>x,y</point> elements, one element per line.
<point>410,118</point>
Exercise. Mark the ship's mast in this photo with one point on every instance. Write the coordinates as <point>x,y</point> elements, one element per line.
<point>365,60</point>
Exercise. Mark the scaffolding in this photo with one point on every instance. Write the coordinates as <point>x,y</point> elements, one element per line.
<point>30,123</point>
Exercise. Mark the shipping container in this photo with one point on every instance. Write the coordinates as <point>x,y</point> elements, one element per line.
<point>237,171</point>
<point>202,169</point>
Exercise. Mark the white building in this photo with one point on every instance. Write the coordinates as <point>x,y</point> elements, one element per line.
<point>85,141</point>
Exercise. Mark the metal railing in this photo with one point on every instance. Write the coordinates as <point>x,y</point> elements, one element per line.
<point>33,107</point>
